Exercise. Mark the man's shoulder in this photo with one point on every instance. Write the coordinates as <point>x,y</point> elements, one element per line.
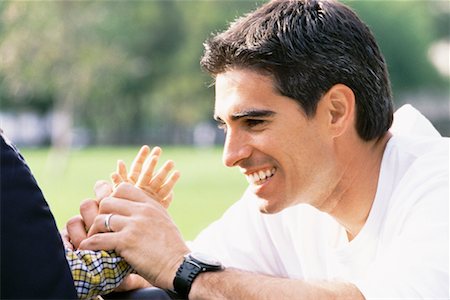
<point>421,168</point>
<point>421,146</point>
<point>424,152</point>
<point>415,141</point>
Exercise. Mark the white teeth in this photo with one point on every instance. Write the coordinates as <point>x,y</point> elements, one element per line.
<point>260,176</point>
<point>255,177</point>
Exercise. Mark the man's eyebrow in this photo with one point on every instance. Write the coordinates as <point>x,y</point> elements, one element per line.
<point>252,113</point>
<point>248,113</point>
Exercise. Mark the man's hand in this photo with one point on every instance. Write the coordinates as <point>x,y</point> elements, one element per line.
<point>77,227</point>
<point>157,185</point>
<point>144,234</point>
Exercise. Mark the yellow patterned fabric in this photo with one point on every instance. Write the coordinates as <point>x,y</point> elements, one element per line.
<point>96,272</point>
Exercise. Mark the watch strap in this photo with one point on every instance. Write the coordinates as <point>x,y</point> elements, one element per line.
<point>185,275</point>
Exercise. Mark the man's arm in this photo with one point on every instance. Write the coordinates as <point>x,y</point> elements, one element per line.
<point>237,284</point>
<point>100,272</point>
<point>32,253</point>
<point>149,240</point>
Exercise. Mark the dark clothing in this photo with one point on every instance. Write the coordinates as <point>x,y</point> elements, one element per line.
<point>33,262</point>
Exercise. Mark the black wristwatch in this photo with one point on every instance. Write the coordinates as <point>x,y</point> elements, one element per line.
<point>193,264</point>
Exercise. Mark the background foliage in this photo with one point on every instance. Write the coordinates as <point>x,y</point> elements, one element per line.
<point>128,71</point>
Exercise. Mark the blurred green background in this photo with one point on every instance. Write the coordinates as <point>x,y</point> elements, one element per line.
<point>204,191</point>
<point>84,83</point>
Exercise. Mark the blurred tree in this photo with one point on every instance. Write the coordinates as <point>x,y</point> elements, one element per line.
<point>129,71</point>
<point>149,32</point>
<point>183,94</point>
<point>405,30</point>
<point>54,52</point>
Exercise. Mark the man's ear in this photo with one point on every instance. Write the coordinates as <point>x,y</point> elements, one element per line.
<point>339,105</point>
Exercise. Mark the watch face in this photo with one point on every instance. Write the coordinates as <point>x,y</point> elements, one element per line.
<point>206,259</point>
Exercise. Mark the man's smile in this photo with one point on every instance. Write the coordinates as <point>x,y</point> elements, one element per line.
<point>259,177</point>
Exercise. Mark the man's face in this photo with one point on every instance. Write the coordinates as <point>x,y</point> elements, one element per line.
<point>285,156</point>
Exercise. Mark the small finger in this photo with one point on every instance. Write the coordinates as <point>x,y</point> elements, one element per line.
<point>102,189</point>
<point>156,151</point>
<point>88,211</point>
<point>167,187</point>
<point>160,177</point>
<point>122,170</point>
<point>147,174</point>
<point>76,231</point>
<point>137,164</point>
<point>116,179</point>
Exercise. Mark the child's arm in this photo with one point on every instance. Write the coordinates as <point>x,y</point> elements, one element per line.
<point>100,272</point>
<point>96,272</point>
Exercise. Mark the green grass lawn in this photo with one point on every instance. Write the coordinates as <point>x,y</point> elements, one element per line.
<point>206,188</point>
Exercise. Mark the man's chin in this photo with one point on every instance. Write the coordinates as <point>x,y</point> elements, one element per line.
<point>268,207</point>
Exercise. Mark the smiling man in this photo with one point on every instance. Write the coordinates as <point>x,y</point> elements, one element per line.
<point>339,206</point>
<point>288,157</point>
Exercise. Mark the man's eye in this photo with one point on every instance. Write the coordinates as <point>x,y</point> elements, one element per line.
<point>252,122</point>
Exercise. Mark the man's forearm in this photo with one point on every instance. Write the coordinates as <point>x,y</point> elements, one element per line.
<point>236,284</point>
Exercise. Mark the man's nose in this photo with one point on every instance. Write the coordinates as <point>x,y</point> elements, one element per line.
<point>236,148</point>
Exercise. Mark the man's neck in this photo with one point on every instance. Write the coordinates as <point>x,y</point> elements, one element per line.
<point>357,189</point>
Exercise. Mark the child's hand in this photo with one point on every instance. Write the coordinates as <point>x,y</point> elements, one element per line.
<point>121,174</point>
<point>159,186</point>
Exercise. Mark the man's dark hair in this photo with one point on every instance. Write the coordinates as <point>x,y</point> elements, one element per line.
<point>307,46</point>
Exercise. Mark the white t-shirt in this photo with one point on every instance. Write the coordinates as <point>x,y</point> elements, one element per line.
<point>401,252</point>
